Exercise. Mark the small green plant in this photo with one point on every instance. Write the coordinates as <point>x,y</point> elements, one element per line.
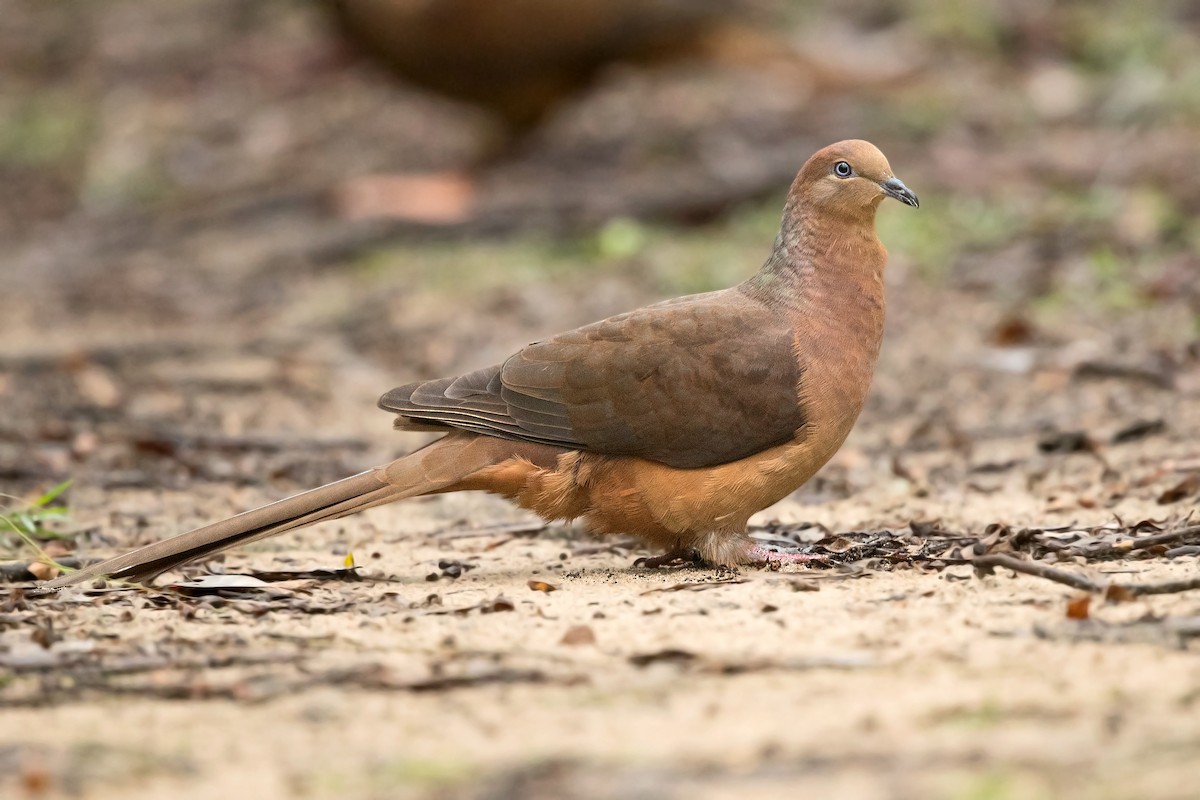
<point>28,520</point>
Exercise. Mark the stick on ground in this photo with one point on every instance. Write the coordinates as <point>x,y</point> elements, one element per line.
<point>985,564</point>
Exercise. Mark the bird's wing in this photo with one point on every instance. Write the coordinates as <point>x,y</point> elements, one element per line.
<point>691,382</point>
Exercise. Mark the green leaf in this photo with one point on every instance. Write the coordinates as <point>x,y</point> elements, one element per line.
<point>50,496</point>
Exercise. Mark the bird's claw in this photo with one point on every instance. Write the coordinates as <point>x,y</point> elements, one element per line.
<point>679,557</point>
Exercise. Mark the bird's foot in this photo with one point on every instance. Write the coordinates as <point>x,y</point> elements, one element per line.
<point>679,557</point>
<point>765,556</point>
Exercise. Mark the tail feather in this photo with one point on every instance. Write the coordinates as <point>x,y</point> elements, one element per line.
<point>317,505</point>
<point>436,468</point>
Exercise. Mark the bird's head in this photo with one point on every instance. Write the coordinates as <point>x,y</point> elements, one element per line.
<point>849,179</point>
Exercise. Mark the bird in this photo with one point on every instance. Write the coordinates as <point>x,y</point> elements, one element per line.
<point>520,59</point>
<point>674,422</point>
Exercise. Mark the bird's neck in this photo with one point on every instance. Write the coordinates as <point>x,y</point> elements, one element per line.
<point>826,277</point>
<point>823,262</point>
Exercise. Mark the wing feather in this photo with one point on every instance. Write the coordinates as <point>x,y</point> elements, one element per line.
<point>692,382</point>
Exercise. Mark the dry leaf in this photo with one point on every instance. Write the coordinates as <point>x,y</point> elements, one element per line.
<point>840,544</point>
<point>444,198</point>
<point>1077,607</point>
<point>1066,442</point>
<point>1187,487</point>
<point>454,569</point>
<point>498,605</point>
<point>36,779</point>
<point>699,586</point>
<point>801,585</point>
<point>542,586</point>
<point>1012,331</point>
<point>672,656</point>
<point>580,634</point>
<point>1139,430</point>
<point>42,571</point>
<point>1115,593</point>
<point>319,574</point>
<point>98,386</point>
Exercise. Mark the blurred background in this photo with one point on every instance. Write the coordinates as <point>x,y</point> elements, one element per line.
<point>227,220</point>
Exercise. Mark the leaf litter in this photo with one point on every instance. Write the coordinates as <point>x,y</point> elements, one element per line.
<point>73,667</point>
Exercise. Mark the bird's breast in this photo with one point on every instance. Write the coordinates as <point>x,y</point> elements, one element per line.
<point>837,351</point>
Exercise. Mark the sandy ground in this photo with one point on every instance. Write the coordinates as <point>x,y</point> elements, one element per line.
<point>885,685</point>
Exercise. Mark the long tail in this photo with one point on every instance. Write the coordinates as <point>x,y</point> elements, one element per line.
<point>439,467</point>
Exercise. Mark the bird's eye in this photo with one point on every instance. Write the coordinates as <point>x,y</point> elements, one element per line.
<point>842,169</point>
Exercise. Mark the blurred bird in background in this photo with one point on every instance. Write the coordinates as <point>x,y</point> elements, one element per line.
<point>520,61</point>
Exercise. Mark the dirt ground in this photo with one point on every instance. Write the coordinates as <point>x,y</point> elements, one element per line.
<point>190,329</point>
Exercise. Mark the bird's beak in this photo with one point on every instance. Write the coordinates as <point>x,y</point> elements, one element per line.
<point>894,187</point>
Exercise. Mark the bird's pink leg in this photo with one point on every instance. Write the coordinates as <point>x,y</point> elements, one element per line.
<point>757,554</point>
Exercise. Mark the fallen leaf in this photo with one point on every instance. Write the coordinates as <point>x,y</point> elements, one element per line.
<point>1011,331</point>
<point>925,528</point>
<point>36,779</point>
<point>542,586</point>
<point>1115,593</point>
<point>1077,607</point>
<point>839,544</point>
<point>801,585</point>
<point>699,586</point>
<point>1187,487</point>
<point>319,574</point>
<point>432,607</point>
<point>1159,374</point>
<point>42,571</point>
<point>671,656</point>
<point>1139,430</point>
<point>98,386</point>
<point>444,198</point>
<point>579,634</point>
<point>1066,442</point>
<point>454,569</point>
<point>498,605</point>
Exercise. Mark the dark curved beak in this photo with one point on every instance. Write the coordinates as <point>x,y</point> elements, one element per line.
<point>894,187</point>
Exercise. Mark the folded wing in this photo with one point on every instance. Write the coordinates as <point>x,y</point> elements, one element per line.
<point>692,382</point>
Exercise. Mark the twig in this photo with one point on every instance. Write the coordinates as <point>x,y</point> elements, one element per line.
<point>984,565</point>
<point>1159,378</point>
<point>1130,545</point>
<point>696,587</point>
<point>1166,587</point>
<point>1113,591</point>
<point>265,686</point>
